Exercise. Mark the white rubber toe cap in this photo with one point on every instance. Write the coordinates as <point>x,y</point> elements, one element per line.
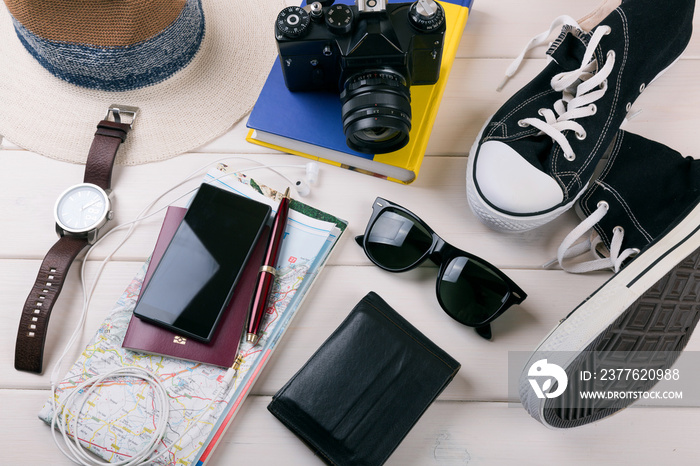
<point>511,184</point>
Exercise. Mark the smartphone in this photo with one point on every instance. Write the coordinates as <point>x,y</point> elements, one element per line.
<point>194,280</point>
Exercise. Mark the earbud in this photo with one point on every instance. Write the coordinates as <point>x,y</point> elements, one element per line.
<point>302,186</point>
<point>312,172</point>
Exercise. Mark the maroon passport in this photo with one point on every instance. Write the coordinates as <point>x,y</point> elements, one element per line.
<point>223,347</point>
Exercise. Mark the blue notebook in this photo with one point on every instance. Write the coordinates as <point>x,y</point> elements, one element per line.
<point>309,124</point>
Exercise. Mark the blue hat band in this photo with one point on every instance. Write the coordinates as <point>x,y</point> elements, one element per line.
<point>121,68</point>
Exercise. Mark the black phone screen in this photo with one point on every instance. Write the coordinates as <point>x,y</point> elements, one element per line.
<point>194,279</point>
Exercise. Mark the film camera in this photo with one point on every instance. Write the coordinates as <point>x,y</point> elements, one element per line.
<point>371,53</point>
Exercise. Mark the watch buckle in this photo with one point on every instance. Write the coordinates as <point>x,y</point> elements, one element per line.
<point>122,112</point>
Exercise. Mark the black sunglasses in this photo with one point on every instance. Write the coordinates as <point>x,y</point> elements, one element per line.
<point>469,289</point>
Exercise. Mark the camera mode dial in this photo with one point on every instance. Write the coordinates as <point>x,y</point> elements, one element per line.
<point>426,15</point>
<point>339,19</point>
<point>293,22</point>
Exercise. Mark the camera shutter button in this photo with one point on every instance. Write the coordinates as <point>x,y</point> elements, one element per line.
<point>293,22</point>
<point>316,11</point>
<point>339,19</point>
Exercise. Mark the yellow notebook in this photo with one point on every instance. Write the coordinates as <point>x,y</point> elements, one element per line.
<point>309,124</point>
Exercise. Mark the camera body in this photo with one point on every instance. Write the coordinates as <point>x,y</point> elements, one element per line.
<point>322,57</point>
<point>371,53</point>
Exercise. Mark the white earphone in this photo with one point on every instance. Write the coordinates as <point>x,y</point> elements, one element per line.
<point>303,187</point>
<point>77,399</point>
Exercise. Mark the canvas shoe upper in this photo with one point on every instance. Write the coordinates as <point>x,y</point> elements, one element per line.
<point>538,152</point>
<point>643,189</point>
<point>646,199</point>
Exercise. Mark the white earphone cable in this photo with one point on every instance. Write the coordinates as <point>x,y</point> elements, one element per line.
<point>73,403</point>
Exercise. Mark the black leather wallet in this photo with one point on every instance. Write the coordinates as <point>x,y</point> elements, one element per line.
<point>357,397</point>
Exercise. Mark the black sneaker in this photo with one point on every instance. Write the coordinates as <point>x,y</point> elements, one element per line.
<point>647,198</point>
<point>635,170</point>
<point>537,154</point>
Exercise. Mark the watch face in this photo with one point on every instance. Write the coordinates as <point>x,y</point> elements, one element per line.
<point>82,208</point>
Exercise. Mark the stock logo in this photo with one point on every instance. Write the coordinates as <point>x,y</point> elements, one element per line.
<point>553,373</point>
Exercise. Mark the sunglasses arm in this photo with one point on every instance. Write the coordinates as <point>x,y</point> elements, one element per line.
<point>516,293</point>
<point>484,331</point>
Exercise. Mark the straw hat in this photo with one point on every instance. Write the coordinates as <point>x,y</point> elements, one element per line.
<point>193,67</point>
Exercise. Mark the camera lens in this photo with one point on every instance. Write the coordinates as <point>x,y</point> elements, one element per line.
<point>376,111</point>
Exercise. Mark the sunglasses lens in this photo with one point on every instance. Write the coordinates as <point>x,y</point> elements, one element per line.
<point>471,292</point>
<point>396,241</point>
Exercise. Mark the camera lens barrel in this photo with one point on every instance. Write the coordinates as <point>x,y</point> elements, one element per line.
<point>376,111</point>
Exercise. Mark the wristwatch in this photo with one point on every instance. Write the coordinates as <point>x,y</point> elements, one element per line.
<point>80,212</point>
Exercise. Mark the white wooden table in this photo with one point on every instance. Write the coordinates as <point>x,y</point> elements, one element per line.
<point>473,421</point>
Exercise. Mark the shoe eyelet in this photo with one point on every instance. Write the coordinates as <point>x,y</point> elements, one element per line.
<point>581,136</point>
<point>611,54</point>
<point>636,251</point>
<point>594,109</point>
<point>642,87</point>
<point>522,123</point>
<point>609,30</point>
<point>618,229</point>
<point>628,107</point>
<point>603,204</point>
<point>540,112</point>
<point>570,158</point>
<point>603,85</point>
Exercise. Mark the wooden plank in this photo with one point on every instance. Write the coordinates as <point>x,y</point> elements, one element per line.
<point>471,97</point>
<point>484,375</point>
<point>18,277</point>
<point>450,433</point>
<point>457,434</point>
<point>503,28</point>
<point>438,196</point>
<point>471,423</point>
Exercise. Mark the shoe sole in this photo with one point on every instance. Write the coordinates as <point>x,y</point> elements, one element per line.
<point>650,307</point>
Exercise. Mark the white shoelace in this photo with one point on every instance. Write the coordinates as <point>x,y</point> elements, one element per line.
<point>580,88</point>
<point>536,41</point>
<point>568,249</point>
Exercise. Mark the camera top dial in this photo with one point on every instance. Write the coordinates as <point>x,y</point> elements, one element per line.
<point>426,15</point>
<point>339,19</point>
<point>293,22</point>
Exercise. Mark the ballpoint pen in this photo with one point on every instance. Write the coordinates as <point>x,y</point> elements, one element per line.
<point>267,273</point>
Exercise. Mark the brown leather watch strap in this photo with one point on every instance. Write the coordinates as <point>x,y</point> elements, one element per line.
<point>33,325</point>
<point>100,161</point>
<point>31,335</point>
